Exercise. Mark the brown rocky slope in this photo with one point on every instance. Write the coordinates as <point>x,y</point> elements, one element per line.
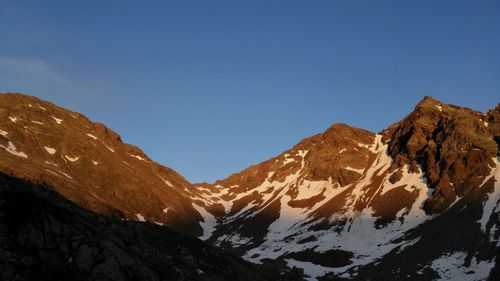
<point>89,164</point>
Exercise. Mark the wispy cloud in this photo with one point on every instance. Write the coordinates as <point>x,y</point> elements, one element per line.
<point>34,77</point>
<point>31,71</point>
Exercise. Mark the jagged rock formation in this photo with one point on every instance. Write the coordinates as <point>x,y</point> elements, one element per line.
<point>43,236</point>
<point>455,147</point>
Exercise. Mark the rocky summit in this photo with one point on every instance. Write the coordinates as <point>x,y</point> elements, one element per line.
<point>419,200</point>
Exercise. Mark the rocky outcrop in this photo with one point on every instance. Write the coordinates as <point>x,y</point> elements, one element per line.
<point>454,146</point>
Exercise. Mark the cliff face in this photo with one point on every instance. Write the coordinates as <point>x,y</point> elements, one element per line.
<point>454,146</point>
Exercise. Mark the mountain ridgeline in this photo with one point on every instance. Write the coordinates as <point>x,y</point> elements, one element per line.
<point>416,201</point>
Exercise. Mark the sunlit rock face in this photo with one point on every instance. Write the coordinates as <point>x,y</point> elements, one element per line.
<point>347,203</point>
<point>89,164</point>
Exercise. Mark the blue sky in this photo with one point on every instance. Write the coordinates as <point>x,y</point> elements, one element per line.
<point>211,87</point>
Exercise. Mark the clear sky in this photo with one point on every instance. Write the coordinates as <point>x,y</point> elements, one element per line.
<point>211,87</point>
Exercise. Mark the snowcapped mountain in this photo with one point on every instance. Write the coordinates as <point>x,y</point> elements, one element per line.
<point>416,201</point>
<point>419,200</point>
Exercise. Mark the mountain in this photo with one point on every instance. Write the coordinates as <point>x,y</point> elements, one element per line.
<point>419,200</point>
<point>416,201</point>
<point>89,164</point>
<point>43,236</point>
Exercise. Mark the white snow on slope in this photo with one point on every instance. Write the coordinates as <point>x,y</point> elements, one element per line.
<point>91,136</point>
<point>50,150</point>
<point>208,224</point>
<point>140,217</point>
<point>359,235</point>
<point>407,180</point>
<point>3,133</point>
<point>11,148</point>
<point>72,159</point>
<point>359,171</point>
<point>109,148</point>
<point>313,271</point>
<point>95,162</point>
<point>166,181</point>
<point>37,122</point>
<point>452,266</point>
<point>138,157</point>
<point>58,121</point>
<point>13,119</point>
<point>51,163</point>
<point>66,175</point>
<point>287,160</point>
<point>492,203</point>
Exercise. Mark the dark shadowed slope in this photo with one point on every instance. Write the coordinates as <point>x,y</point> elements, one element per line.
<point>43,236</point>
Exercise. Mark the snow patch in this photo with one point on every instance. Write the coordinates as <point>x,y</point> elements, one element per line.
<point>13,119</point>
<point>51,163</point>
<point>208,224</point>
<point>95,162</point>
<point>452,266</point>
<point>50,150</point>
<point>58,121</point>
<point>313,271</point>
<point>166,182</point>
<point>37,122</point>
<point>140,217</point>
<point>491,204</point>
<point>72,159</point>
<point>359,171</point>
<point>66,175</point>
<point>138,157</point>
<point>11,148</point>
<point>109,148</point>
<point>91,136</point>
<point>3,133</point>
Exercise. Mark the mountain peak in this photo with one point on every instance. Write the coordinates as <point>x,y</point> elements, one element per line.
<point>430,103</point>
<point>443,141</point>
<point>89,164</point>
